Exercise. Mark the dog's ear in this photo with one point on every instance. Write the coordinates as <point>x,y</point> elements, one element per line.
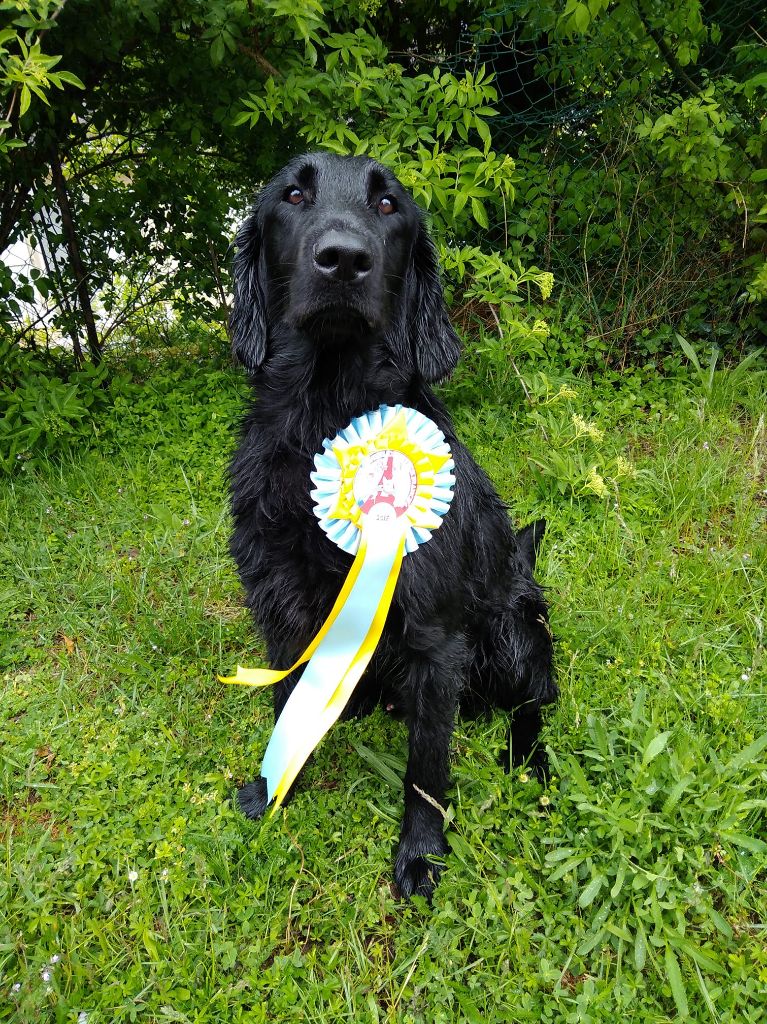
<point>434,343</point>
<point>248,324</point>
<point>529,539</point>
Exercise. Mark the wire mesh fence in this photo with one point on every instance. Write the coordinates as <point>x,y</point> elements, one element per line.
<point>636,140</point>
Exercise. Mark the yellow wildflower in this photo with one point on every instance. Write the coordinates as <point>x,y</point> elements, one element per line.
<point>545,282</point>
<point>584,427</point>
<point>624,468</point>
<point>596,484</point>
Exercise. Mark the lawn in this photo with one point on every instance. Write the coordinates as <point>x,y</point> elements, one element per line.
<point>635,883</point>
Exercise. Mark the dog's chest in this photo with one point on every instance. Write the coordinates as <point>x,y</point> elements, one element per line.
<point>283,515</point>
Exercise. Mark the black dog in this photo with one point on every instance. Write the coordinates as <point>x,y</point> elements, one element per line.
<point>338,309</point>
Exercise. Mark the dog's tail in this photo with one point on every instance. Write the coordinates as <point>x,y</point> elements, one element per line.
<point>528,541</point>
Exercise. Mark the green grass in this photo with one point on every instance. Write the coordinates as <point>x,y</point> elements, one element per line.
<point>634,884</point>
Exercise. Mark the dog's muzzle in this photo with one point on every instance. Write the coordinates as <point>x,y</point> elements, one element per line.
<point>339,291</point>
<point>342,256</point>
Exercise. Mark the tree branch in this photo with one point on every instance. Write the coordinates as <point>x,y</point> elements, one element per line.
<point>262,62</point>
<point>73,247</point>
<point>668,55</point>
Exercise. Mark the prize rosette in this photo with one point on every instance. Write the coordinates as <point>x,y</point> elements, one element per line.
<point>382,485</point>
<point>390,464</point>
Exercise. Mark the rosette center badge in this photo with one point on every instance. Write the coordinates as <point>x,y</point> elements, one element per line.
<point>385,485</point>
<point>382,485</point>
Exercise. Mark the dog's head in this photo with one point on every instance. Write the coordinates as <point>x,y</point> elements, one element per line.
<point>336,249</point>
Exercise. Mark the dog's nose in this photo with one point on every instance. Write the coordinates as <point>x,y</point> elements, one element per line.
<point>342,256</point>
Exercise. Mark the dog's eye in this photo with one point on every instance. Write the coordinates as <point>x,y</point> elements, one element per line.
<point>294,196</point>
<point>387,205</point>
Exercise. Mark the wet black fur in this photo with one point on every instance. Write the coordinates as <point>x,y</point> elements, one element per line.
<point>468,623</point>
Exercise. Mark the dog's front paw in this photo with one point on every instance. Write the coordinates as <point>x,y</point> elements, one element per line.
<point>524,750</point>
<point>416,873</point>
<point>535,761</point>
<point>253,798</point>
<point>539,765</point>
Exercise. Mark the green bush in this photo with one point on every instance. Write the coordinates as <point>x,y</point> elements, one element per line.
<point>45,408</point>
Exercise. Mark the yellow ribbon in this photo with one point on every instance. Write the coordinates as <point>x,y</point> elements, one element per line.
<point>266,676</point>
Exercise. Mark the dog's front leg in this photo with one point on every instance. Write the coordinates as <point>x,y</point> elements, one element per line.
<point>434,684</point>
